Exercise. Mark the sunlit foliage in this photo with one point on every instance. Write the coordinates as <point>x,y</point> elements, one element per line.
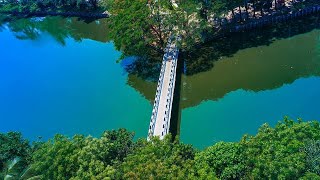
<point>290,150</point>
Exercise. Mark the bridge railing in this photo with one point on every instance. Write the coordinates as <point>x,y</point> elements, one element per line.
<point>171,51</point>
<point>169,99</point>
<point>157,97</point>
<point>156,100</point>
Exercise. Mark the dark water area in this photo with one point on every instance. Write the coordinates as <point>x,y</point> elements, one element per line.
<point>254,86</point>
<point>233,85</point>
<point>253,78</point>
<point>60,75</point>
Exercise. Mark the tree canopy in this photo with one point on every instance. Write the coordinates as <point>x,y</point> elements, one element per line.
<point>290,150</point>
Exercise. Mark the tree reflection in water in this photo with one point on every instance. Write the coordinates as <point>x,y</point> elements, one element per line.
<point>268,59</point>
<point>59,28</point>
<point>212,69</point>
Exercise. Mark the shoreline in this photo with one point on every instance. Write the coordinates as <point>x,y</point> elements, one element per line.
<point>64,14</point>
<point>274,19</point>
<point>262,22</point>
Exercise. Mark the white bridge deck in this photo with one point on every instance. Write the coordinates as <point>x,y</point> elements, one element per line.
<point>161,113</point>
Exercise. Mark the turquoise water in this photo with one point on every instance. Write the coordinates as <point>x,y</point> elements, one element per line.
<point>49,88</point>
<point>243,112</point>
<point>60,76</point>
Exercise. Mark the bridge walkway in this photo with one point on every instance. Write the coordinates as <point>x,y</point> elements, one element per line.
<point>161,113</point>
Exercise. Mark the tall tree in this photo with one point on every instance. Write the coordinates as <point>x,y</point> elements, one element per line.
<point>137,25</point>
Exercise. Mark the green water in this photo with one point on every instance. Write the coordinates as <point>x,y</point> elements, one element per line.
<point>60,76</point>
<point>255,86</point>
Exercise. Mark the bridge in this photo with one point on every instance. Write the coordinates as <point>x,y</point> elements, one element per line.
<point>161,112</point>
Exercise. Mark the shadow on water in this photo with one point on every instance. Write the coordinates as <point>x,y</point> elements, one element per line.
<point>247,70</point>
<point>176,110</point>
<point>270,72</point>
<point>146,66</point>
<point>202,58</point>
<point>264,63</point>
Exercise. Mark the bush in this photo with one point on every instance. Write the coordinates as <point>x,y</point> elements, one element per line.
<point>13,145</point>
<point>158,159</point>
<point>290,150</point>
<point>82,158</point>
<point>312,151</point>
<point>34,7</point>
<point>274,153</point>
<point>8,7</point>
<point>226,160</point>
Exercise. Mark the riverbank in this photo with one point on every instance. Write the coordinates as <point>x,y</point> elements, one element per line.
<point>273,19</point>
<point>68,8</point>
<point>52,13</point>
<point>270,20</point>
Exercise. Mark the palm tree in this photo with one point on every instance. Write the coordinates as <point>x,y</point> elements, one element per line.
<point>16,170</point>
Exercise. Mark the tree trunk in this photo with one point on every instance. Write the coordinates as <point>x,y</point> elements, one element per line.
<point>160,35</point>
<point>246,8</point>
<point>232,13</point>
<point>240,13</point>
<point>254,8</point>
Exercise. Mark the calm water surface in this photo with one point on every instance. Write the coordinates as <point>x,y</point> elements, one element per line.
<point>254,86</point>
<point>57,79</point>
<point>60,75</point>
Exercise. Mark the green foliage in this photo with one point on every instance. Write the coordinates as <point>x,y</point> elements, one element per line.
<point>50,5</point>
<point>138,28</point>
<point>16,170</point>
<point>8,7</point>
<point>226,160</point>
<point>82,158</point>
<point>219,7</point>
<point>34,7</point>
<point>290,150</point>
<point>310,176</point>
<point>13,145</point>
<point>190,23</point>
<point>129,27</point>
<point>158,160</point>
<point>275,153</point>
<point>312,151</point>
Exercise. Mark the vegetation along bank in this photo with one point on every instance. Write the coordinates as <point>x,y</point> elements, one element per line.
<point>290,150</point>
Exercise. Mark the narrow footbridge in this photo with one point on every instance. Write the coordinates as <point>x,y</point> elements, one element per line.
<point>161,113</point>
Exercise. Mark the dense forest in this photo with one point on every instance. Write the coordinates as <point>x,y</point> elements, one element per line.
<point>140,25</point>
<point>50,5</point>
<point>136,25</point>
<point>290,150</point>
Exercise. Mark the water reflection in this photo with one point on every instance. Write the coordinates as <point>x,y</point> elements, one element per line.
<point>59,28</point>
<point>256,69</point>
<point>212,70</point>
<point>203,59</point>
<point>268,59</point>
<point>255,61</point>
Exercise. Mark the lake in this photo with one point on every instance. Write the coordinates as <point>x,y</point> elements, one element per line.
<point>61,75</point>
